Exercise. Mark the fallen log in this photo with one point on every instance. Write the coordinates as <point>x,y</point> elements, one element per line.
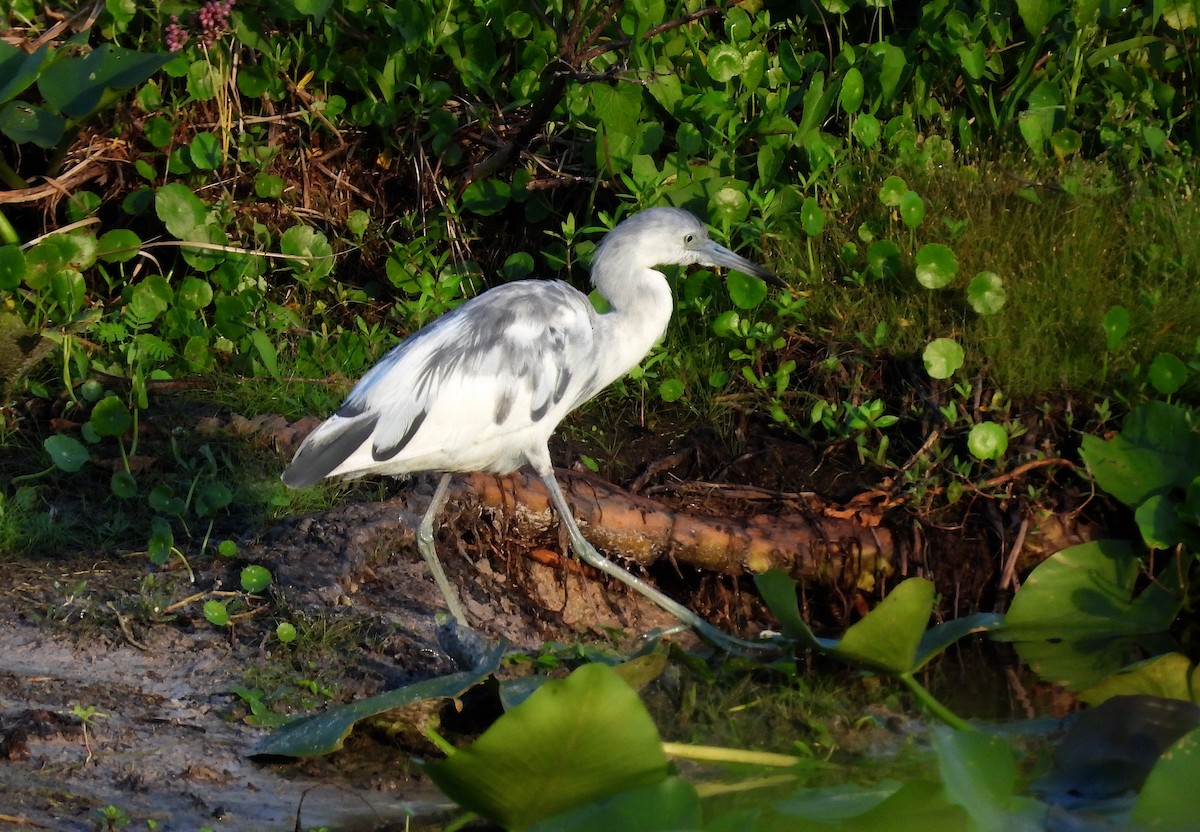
<point>817,542</point>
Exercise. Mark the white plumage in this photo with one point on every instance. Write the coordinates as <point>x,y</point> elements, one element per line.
<point>484,386</point>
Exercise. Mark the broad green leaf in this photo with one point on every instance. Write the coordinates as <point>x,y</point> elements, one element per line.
<point>851,96</point>
<point>150,298</point>
<point>19,69</point>
<point>986,293</point>
<point>118,245</point>
<point>325,732</point>
<point>12,266</point>
<point>161,542</point>
<point>987,440</point>
<point>867,130</point>
<point>980,774</point>
<point>205,151</point>
<point>746,291</point>
<point>888,637</point>
<point>217,613</point>
<point>883,259</point>
<point>1169,799</point>
<point>1038,123</point>
<point>724,62</point>
<point>255,578</point>
<point>936,265</point>
<point>123,485</point>
<point>942,357</point>
<point>75,86</point>
<point>313,246</point>
<point>27,123</point>
<point>486,197</point>
<point>1037,14</point>
<point>1158,449</point>
<point>892,191</point>
<point>729,206</point>
<point>571,742</point>
<point>1088,590</point>
<point>66,452</point>
<point>671,390</point>
<point>110,417</point>
<point>1169,676</point>
<point>940,636</point>
<point>1167,373</point>
<point>179,209</point>
<point>912,210</point>
<point>668,805</point>
<point>812,218</point>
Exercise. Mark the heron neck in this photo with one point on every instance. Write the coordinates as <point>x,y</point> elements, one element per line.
<point>640,305</point>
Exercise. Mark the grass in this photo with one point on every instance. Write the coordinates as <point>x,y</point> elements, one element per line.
<point>1065,260</point>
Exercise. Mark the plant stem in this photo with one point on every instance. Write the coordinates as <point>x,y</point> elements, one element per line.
<point>714,754</point>
<point>937,708</point>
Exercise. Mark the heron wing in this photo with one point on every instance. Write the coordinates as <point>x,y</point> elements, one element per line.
<point>497,364</point>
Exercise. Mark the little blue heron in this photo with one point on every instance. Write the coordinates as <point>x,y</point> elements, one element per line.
<point>484,386</point>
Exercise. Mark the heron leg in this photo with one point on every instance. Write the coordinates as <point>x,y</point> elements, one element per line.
<point>425,545</point>
<point>588,553</point>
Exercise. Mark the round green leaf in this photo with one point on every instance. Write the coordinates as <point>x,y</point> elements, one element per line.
<point>255,578</point>
<point>867,130</point>
<point>986,293</point>
<point>812,218</point>
<point>179,209</point>
<point>1116,327</point>
<point>724,62</point>
<point>729,205</point>
<point>285,632</point>
<point>162,540</point>
<point>486,197</point>
<point>150,298</point>
<point>943,357</point>
<point>518,265</point>
<point>912,209</point>
<point>987,440</point>
<point>211,497</point>
<point>110,417</point>
<point>892,191</point>
<point>194,294</point>
<point>726,324</point>
<point>936,265</point>
<point>357,222</point>
<point>745,291</point>
<point>205,152</point>
<point>12,267</point>
<point>883,259</point>
<point>252,81</point>
<point>1167,373</point>
<point>216,612</point>
<point>227,549</point>
<point>118,245</point>
<point>267,186</point>
<point>66,452</point>
<point>303,241</point>
<point>671,390</point>
<point>851,96</point>
<point>123,485</point>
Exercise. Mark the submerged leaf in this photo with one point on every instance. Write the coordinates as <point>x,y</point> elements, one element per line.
<point>571,742</point>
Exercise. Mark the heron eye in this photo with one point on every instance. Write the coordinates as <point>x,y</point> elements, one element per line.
<point>689,239</point>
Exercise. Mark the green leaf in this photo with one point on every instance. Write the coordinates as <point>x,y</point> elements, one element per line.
<point>867,130</point>
<point>943,357</point>
<point>159,131</point>
<point>1038,123</point>
<point>892,191</point>
<point>285,632</point>
<point>669,805</point>
<point>986,293</point>
<point>19,69</point>
<point>851,96</point>
<point>150,298</point>
<point>987,440</point>
<point>180,210</point>
<point>255,578</point>
<point>1088,589</point>
<point>302,241</point>
<point>1169,676</point>
<point>1116,327</point>
<point>671,390</point>
<point>1167,373</point>
<point>936,265</point>
<point>66,452</point>
<point>194,294</point>
<point>27,123</point>
<point>327,731</point>
<point>1169,799</point>
<point>1157,450</point>
<point>812,218</point>
<point>12,266</point>
<point>746,291</point>
<point>75,86</point>
<point>161,542</point>
<point>979,771</point>
<point>729,205</point>
<point>486,197</point>
<point>571,742</point>
<point>216,612</point>
<point>110,417</point>
<point>888,637</point>
<point>883,259</point>
<point>118,245</point>
<point>724,62</point>
<point>205,151</point>
<point>1037,14</point>
<point>211,497</point>
<point>266,351</point>
<point>123,485</point>
<point>912,209</point>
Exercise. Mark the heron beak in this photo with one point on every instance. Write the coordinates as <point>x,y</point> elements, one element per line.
<point>717,255</point>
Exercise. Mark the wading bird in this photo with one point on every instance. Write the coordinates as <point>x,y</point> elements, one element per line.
<point>484,386</point>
